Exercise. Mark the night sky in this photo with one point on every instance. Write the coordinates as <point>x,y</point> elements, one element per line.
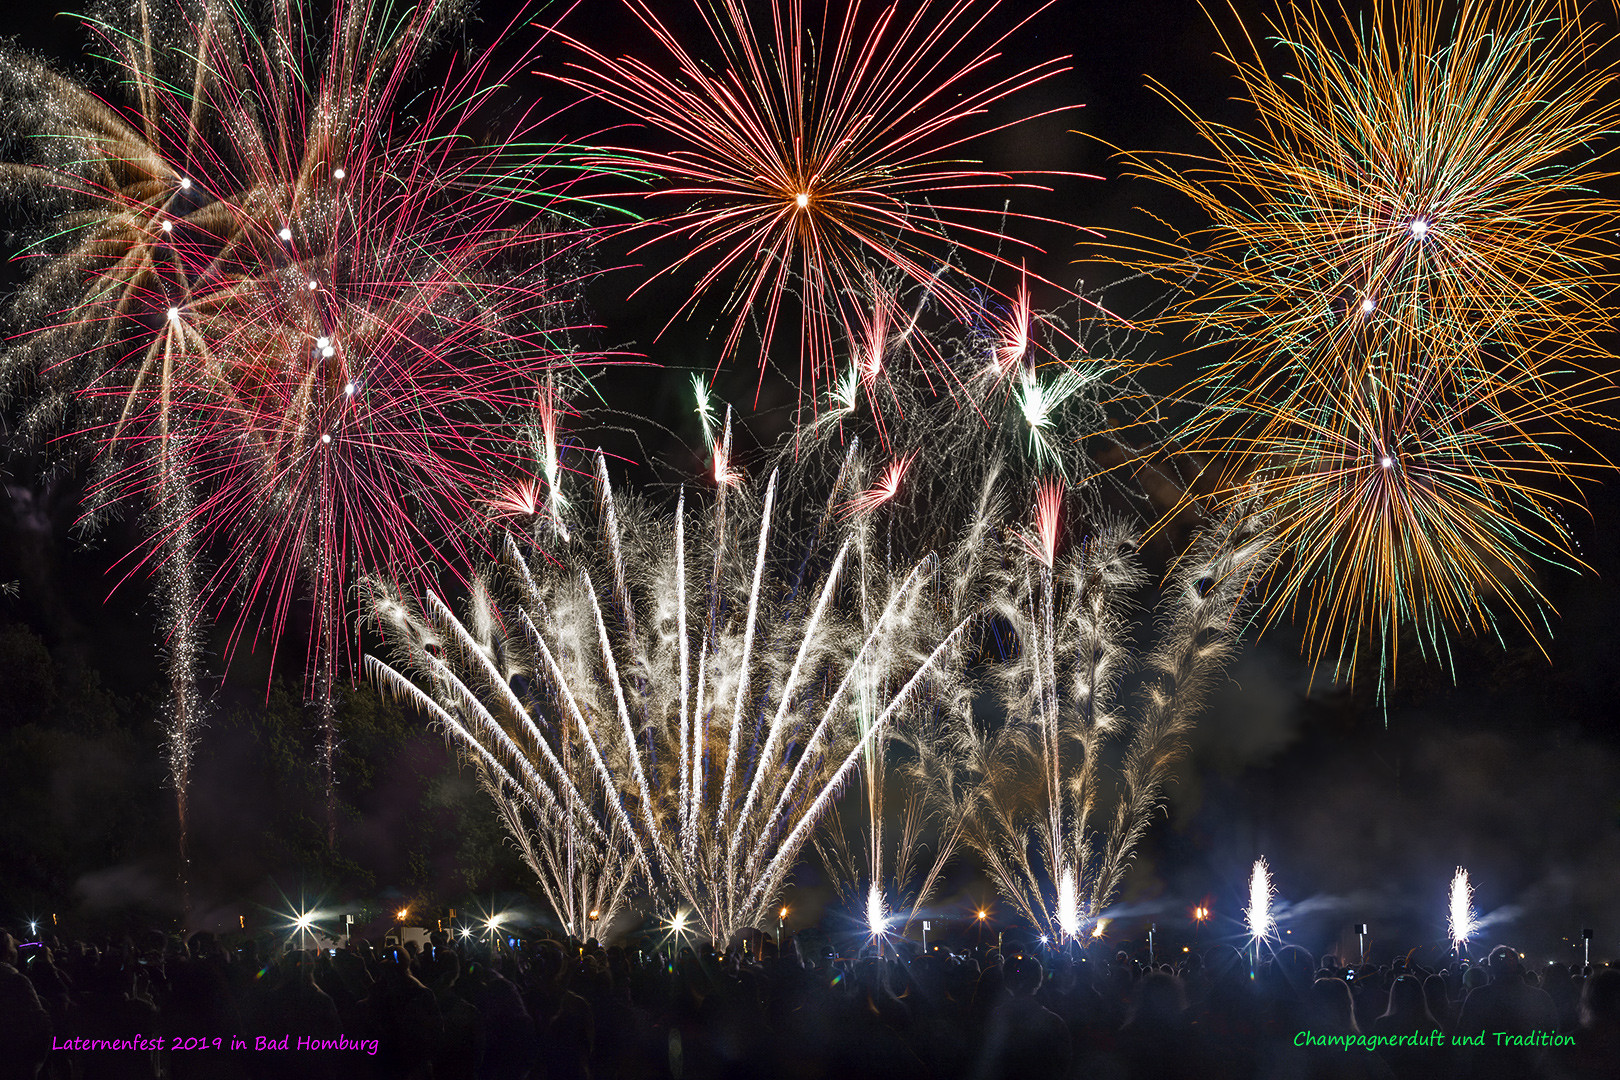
<point>1363,811</point>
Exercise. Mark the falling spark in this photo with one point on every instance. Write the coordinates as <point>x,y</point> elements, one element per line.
<point>521,499</point>
<point>1013,343</point>
<point>845,394</point>
<point>1039,402</point>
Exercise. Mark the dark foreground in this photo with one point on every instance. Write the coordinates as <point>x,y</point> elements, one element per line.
<point>561,1011</point>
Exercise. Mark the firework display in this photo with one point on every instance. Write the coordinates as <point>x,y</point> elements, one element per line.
<point>1460,913</point>
<point>1032,796</point>
<point>294,324</point>
<point>669,667</point>
<point>1044,410</point>
<point>1262,925</point>
<point>805,155</point>
<point>308,297</point>
<point>1401,289</point>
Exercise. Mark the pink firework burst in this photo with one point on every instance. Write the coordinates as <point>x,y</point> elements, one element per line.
<point>886,488</point>
<point>343,322</point>
<point>1042,543</point>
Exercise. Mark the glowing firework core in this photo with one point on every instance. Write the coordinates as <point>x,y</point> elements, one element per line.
<point>1462,912</point>
<point>1261,923</point>
<point>875,916</point>
<point>1068,906</point>
<point>802,200</point>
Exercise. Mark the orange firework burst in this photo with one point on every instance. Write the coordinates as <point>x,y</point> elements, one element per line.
<point>1411,499</point>
<point>815,149</point>
<point>1434,170</point>
<point>1406,277</point>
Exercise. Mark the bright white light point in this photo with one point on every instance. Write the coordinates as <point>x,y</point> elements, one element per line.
<point>326,438</point>
<point>322,342</point>
<point>285,234</point>
<point>1462,911</point>
<point>1387,462</point>
<point>349,389</point>
<point>167,226</point>
<point>1419,227</point>
<point>802,200</point>
<point>1261,922</point>
<point>1367,306</point>
<point>1068,911</point>
<point>328,352</point>
<point>313,285</point>
<point>185,182</point>
<point>174,314</point>
<point>338,174</point>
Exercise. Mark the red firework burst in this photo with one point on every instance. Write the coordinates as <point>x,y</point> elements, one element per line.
<point>813,150</point>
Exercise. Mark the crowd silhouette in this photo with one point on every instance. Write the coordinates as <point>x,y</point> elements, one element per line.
<point>544,1009</point>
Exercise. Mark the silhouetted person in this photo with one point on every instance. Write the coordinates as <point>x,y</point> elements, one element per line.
<point>25,1026</point>
<point>1331,1011</point>
<point>1506,1006</point>
<point>1440,1007</point>
<point>1228,1024</point>
<point>1596,1055</point>
<point>1408,1014</point>
<point>1023,1040</point>
<point>1155,1041</point>
<point>403,1016</point>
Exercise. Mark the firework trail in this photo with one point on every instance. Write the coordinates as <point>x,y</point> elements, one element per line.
<point>972,460</point>
<point>317,315</point>
<point>1405,282</point>
<point>712,696</point>
<point>812,148</point>
<point>1036,806</point>
<point>1460,916</point>
<point>103,181</point>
